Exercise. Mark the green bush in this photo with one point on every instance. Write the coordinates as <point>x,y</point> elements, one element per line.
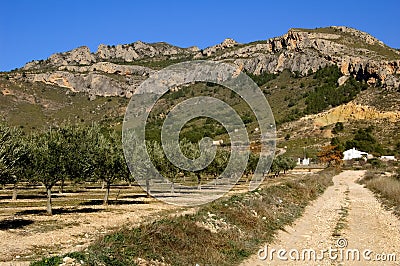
<point>262,78</point>
<point>53,261</point>
<point>338,128</point>
<point>365,141</point>
<point>375,162</point>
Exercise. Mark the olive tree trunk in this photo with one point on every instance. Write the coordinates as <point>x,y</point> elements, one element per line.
<point>107,194</point>
<point>49,209</point>
<point>198,180</point>
<point>14,195</point>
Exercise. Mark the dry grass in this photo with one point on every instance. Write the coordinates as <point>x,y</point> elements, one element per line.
<point>386,187</point>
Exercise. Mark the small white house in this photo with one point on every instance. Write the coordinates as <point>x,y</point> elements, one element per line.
<point>388,158</point>
<point>355,154</point>
<point>304,161</point>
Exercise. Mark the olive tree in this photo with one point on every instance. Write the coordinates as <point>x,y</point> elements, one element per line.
<point>282,163</point>
<point>48,160</point>
<point>76,148</point>
<point>12,157</point>
<point>59,154</point>
<point>108,162</point>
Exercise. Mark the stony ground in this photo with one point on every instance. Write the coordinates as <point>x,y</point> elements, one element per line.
<point>347,217</point>
<point>27,234</point>
<point>67,232</point>
<point>346,214</point>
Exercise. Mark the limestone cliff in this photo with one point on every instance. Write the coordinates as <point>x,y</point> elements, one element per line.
<point>118,70</point>
<point>356,53</point>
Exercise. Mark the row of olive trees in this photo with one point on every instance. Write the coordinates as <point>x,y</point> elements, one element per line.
<point>92,153</point>
<point>53,156</point>
<point>212,171</point>
<point>191,151</point>
<point>283,164</point>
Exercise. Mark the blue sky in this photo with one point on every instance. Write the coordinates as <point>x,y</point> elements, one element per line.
<point>35,29</point>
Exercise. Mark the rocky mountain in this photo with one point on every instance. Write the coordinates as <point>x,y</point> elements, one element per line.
<point>107,72</point>
<point>85,86</point>
<point>118,70</point>
<point>356,53</point>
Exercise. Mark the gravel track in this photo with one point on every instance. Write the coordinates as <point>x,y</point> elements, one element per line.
<point>346,218</point>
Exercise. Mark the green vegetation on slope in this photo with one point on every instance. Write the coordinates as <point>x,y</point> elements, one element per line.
<point>328,94</point>
<point>292,96</point>
<point>199,127</point>
<point>365,141</point>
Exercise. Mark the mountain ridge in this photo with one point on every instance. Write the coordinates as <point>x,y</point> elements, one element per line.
<point>328,75</point>
<point>302,51</point>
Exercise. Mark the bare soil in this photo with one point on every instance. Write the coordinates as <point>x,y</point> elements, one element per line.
<point>28,234</point>
<point>346,217</point>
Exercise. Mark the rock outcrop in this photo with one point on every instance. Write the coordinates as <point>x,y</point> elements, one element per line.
<point>356,53</point>
<point>82,56</point>
<point>78,56</point>
<point>351,111</point>
<point>111,70</point>
<point>91,83</point>
<point>227,43</point>
<point>140,50</point>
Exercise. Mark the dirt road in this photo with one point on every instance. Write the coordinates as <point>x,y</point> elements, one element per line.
<point>345,226</point>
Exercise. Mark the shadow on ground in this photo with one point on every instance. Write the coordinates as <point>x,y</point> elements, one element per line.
<point>14,223</point>
<point>133,196</point>
<point>30,196</point>
<point>59,211</point>
<point>112,202</point>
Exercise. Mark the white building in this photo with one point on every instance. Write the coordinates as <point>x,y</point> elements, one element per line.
<point>355,154</point>
<point>304,161</point>
<point>388,158</point>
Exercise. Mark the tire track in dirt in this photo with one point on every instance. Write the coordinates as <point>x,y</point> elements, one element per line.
<point>346,217</point>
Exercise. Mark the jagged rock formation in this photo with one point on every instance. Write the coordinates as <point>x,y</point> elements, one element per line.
<point>356,53</point>
<point>78,56</point>
<point>83,71</point>
<point>140,50</point>
<point>227,43</point>
<point>119,53</point>
<point>116,70</point>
